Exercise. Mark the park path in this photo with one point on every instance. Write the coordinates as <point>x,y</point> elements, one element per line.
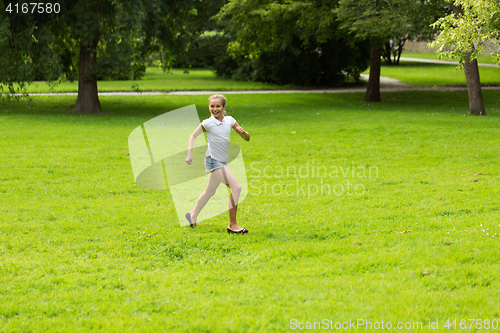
<point>387,84</point>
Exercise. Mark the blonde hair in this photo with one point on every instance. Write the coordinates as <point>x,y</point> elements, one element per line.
<point>216,96</point>
<point>221,97</point>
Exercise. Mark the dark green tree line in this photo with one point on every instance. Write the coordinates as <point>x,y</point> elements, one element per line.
<point>25,52</point>
<point>384,21</point>
<point>295,42</point>
<point>91,39</point>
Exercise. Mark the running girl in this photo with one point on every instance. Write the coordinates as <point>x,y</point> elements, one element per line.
<point>218,131</point>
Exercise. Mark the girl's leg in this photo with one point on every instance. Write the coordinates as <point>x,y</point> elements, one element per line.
<point>226,176</point>
<point>213,184</point>
<point>233,225</point>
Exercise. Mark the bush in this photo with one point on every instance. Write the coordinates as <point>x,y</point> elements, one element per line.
<point>313,64</point>
<point>119,60</point>
<point>203,51</point>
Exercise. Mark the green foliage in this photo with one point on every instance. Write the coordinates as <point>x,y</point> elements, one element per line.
<point>118,60</point>
<point>369,19</point>
<point>121,34</point>
<point>465,32</point>
<point>164,30</point>
<point>90,19</point>
<point>116,26</point>
<point>170,26</point>
<point>25,50</point>
<point>262,25</point>
<point>203,40</point>
<point>327,63</point>
<point>204,51</point>
<point>292,42</point>
<point>390,23</point>
<point>68,51</point>
<point>120,51</point>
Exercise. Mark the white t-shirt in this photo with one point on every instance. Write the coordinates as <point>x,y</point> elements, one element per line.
<point>218,135</point>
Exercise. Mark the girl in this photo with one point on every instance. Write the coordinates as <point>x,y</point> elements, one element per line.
<point>218,131</point>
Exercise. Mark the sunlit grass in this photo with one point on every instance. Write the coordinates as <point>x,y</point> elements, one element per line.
<point>82,248</point>
<point>424,74</point>
<point>156,80</point>
<point>435,56</point>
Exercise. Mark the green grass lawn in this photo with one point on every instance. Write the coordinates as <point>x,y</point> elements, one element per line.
<point>156,80</point>
<point>435,56</point>
<point>424,74</point>
<point>82,248</point>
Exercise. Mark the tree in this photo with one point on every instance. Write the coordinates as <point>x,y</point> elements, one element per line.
<point>380,21</point>
<point>86,24</point>
<point>463,35</point>
<point>419,15</point>
<point>120,54</point>
<point>89,39</point>
<point>374,21</point>
<point>204,50</point>
<point>288,42</point>
<point>25,41</point>
<point>169,26</point>
<point>31,38</point>
<point>204,38</point>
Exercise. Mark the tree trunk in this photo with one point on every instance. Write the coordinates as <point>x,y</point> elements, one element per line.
<point>373,89</point>
<point>476,104</point>
<point>386,52</point>
<point>397,56</point>
<point>88,98</point>
<point>163,66</point>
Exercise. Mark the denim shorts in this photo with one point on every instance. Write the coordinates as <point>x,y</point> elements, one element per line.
<point>211,164</point>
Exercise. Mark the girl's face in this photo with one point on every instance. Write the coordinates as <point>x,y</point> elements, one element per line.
<point>216,108</point>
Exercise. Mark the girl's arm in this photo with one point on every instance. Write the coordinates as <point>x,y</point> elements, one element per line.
<point>244,134</point>
<point>200,129</point>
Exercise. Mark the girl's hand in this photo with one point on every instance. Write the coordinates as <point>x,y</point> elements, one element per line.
<point>244,134</point>
<point>239,129</point>
<point>189,159</point>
